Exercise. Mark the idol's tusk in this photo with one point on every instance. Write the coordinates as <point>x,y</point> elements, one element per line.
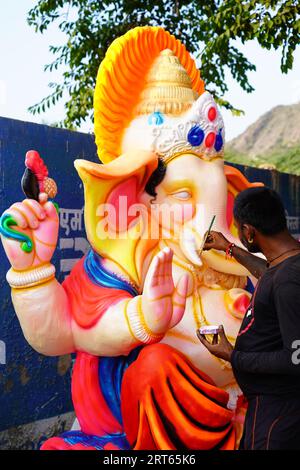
<point>189,248</point>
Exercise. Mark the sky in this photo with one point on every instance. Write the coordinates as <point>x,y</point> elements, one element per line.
<point>23,81</point>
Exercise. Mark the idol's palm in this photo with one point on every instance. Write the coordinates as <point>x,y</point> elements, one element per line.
<point>163,303</point>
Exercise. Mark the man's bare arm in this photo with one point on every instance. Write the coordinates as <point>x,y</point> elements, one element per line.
<point>255,265</point>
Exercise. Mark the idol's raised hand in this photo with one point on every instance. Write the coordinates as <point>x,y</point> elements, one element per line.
<point>29,232</point>
<point>163,303</point>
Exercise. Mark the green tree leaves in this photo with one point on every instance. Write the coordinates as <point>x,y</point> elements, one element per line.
<point>209,29</point>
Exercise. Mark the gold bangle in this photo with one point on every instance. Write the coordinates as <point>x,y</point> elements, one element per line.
<point>143,321</point>
<point>30,278</point>
<point>137,324</point>
<point>128,322</point>
<point>34,284</point>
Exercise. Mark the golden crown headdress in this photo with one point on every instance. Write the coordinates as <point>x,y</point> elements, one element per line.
<point>147,74</point>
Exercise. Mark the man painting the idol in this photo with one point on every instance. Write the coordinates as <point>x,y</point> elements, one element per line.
<point>265,359</point>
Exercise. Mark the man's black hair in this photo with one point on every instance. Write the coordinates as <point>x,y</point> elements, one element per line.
<point>262,208</point>
<point>156,178</point>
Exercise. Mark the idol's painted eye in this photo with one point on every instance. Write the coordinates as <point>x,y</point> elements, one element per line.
<point>183,195</point>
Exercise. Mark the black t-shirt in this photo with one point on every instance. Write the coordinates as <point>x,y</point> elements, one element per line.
<point>266,357</point>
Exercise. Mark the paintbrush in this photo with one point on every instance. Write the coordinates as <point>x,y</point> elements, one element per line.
<point>206,235</point>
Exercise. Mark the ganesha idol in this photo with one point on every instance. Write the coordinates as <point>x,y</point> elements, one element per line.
<point>131,307</point>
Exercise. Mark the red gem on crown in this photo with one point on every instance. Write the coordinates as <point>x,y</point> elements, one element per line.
<point>210,139</point>
<point>212,113</point>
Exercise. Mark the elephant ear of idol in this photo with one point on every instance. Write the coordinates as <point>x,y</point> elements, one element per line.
<point>236,182</point>
<point>120,82</point>
<point>113,224</point>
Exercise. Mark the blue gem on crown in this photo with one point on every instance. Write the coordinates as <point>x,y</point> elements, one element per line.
<point>156,118</point>
<point>219,141</point>
<point>195,136</point>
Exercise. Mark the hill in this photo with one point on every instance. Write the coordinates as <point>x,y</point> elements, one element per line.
<point>272,141</point>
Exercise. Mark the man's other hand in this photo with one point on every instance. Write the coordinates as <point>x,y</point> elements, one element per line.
<point>220,346</point>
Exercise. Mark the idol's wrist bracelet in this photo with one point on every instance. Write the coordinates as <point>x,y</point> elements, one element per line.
<point>137,324</point>
<point>31,277</point>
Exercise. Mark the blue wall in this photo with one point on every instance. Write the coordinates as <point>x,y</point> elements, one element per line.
<point>32,386</point>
